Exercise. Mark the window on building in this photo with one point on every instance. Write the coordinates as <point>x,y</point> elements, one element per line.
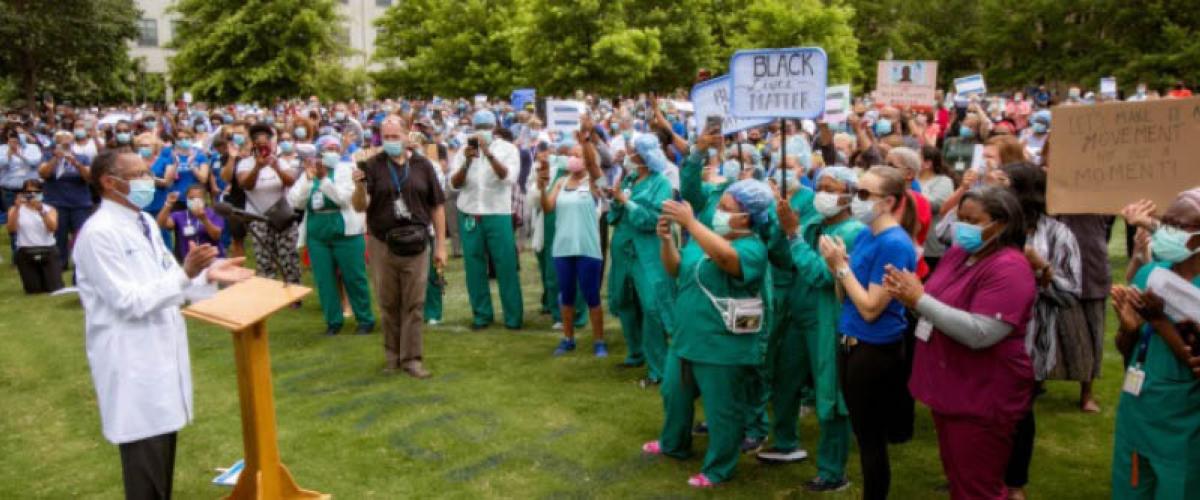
<point>343,35</point>
<point>147,33</point>
<point>383,3</point>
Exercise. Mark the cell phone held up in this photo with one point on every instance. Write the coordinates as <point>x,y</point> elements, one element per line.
<point>473,142</point>
<point>713,123</point>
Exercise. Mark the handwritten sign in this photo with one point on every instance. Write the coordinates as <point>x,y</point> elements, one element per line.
<point>906,83</point>
<point>970,85</point>
<point>710,98</point>
<point>1106,156</point>
<point>778,83</point>
<point>837,103</point>
<point>564,116</point>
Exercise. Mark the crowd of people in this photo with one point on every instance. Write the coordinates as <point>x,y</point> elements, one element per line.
<point>849,268</point>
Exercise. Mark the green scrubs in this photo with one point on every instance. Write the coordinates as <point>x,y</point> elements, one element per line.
<point>639,290</point>
<point>484,235</point>
<point>550,275</point>
<point>434,292</point>
<point>331,251</point>
<point>1160,428</point>
<point>705,359</point>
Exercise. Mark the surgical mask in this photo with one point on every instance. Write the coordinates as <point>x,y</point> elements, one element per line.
<point>201,128</point>
<point>1039,128</point>
<point>80,134</point>
<point>730,169</point>
<point>286,147</point>
<point>965,132</point>
<point>145,152</point>
<point>300,133</point>
<point>1169,244</point>
<point>141,192</point>
<point>486,135</point>
<point>228,120</point>
<point>330,158</point>
<point>863,211</point>
<point>239,139</point>
<point>883,127</point>
<point>149,124</point>
<point>185,144</point>
<point>393,148</point>
<point>123,137</point>
<point>38,197</point>
<point>270,120</point>
<point>627,135</point>
<point>339,116</point>
<point>712,152</point>
<point>720,222</point>
<point>968,236</point>
<point>195,204</point>
<point>827,204</point>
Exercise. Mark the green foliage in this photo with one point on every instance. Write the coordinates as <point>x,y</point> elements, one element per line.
<point>235,50</point>
<point>797,23</point>
<point>74,50</point>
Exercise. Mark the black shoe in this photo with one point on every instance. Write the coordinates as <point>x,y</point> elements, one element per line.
<point>752,445</point>
<point>365,329</point>
<point>513,328</point>
<point>700,429</point>
<point>818,485</point>
<point>333,330</point>
<point>779,456</point>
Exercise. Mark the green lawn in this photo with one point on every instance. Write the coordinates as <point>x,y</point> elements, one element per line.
<point>499,419</point>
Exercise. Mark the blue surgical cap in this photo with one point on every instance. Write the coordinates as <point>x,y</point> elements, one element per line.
<point>483,117</point>
<point>844,175</point>
<point>755,197</point>
<point>1042,116</point>
<point>650,150</point>
<point>326,139</point>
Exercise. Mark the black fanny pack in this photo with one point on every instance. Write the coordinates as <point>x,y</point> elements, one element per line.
<point>407,240</point>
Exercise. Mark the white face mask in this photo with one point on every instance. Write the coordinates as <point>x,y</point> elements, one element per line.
<point>720,222</point>
<point>827,204</point>
<point>864,211</point>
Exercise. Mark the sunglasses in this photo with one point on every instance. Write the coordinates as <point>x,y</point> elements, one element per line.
<point>865,195</point>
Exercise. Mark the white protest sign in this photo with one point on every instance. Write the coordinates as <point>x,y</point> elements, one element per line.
<point>683,106</point>
<point>970,85</point>
<point>480,100</point>
<point>711,98</point>
<point>906,83</point>
<point>778,83</point>
<point>1108,86</point>
<point>837,103</point>
<point>564,116</point>
<point>187,97</point>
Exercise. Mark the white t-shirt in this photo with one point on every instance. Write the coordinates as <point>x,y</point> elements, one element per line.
<point>269,189</point>
<point>31,229</point>
<point>88,148</point>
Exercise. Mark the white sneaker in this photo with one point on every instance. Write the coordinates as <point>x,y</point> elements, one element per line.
<point>778,456</point>
<point>557,326</point>
<point>433,322</point>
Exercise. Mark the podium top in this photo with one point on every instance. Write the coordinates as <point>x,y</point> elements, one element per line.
<point>246,303</point>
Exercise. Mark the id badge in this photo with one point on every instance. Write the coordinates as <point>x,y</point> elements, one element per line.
<point>1134,378</point>
<point>959,166</point>
<point>189,230</point>
<point>402,209</point>
<point>318,201</point>
<point>924,330</point>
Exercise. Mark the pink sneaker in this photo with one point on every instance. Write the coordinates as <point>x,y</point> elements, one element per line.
<point>652,448</point>
<point>700,481</point>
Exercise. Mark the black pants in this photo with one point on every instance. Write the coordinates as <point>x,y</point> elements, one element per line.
<point>1017,474</point>
<point>149,467</point>
<point>872,379</point>
<point>901,429</point>
<point>40,269</point>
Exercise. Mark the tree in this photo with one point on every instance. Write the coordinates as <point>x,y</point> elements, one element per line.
<point>554,46</point>
<point>795,23</point>
<point>253,50</point>
<point>684,34</point>
<point>71,48</point>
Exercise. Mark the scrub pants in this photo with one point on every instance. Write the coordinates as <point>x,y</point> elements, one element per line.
<point>721,386</point>
<point>788,361</point>
<point>974,455</point>
<point>643,327</point>
<point>433,294</point>
<point>1154,480</point>
<point>330,250</point>
<point>484,236</point>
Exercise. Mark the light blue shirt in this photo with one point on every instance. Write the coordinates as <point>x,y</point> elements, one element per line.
<point>576,223</point>
<point>21,167</point>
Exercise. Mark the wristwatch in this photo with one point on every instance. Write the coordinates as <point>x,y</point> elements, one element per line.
<point>842,273</point>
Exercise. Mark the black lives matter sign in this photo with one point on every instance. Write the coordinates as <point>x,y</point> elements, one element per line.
<point>778,83</point>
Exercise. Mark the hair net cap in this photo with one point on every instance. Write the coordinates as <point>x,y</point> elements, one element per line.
<point>844,175</point>
<point>325,140</point>
<point>483,117</point>
<point>755,197</point>
<point>1042,116</point>
<point>650,150</point>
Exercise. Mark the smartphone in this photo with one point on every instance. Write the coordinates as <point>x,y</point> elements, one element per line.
<point>264,151</point>
<point>473,142</point>
<point>713,122</point>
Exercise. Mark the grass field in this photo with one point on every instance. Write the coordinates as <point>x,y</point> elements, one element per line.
<point>499,419</point>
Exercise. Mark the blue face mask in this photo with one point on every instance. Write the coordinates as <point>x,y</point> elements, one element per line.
<point>1169,244</point>
<point>883,127</point>
<point>81,134</point>
<point>393,148</point>
<point>965,132</point>
<point>201,128</point>
<point>145,152</point>
<point>228,120</point>
<point>239,139</point>
<point>1039,128</point>
<point>300,133</point>
<point>968,236</point>
<point>123,137</point>
<point>330,158</point>
<point>141,192</point>
<point>286,147</point>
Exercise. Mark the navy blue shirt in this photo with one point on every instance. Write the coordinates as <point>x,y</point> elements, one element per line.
<point>871,253</point>
<point>66,188</point>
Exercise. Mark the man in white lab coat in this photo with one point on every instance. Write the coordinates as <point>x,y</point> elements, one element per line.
<point>132,288</point>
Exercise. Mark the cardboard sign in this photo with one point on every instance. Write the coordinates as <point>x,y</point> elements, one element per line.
<point>1106,156</point>
<point>837,103</point>
<point>778,83</point>
<point>521,97</point>
<point>970,85</point>
<point>564,116</point>
<point>711,97</point>
<point>1108,87</point>
<point>906,83</point>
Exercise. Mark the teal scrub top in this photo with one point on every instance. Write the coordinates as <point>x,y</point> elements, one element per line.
<point>702,336</point>
<point>577,224</point>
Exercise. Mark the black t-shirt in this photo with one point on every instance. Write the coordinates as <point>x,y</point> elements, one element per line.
<point>421,190</point>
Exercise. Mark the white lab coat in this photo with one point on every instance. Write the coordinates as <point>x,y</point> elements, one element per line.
<point>136,339</point>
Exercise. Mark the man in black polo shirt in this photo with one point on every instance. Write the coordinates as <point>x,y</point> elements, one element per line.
<point>402,199</point>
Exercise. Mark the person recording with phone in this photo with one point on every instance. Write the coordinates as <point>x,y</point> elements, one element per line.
<point>32,224</point>
<point>485,173</point>
<point>265,178</point>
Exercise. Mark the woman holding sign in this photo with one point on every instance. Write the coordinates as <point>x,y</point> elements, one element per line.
<point>1156,453</point>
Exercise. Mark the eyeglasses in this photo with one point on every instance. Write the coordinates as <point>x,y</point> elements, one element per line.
<point>864,195</point>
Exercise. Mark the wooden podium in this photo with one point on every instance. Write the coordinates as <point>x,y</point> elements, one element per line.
<point>243,309</point>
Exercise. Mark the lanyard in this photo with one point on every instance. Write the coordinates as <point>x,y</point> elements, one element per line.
<point>397,181</point>
<point>1143,346</point>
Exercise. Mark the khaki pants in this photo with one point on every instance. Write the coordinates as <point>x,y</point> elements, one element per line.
<point>400,285</point>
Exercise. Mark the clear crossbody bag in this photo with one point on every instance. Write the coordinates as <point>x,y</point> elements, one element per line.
<point>741,316</point>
